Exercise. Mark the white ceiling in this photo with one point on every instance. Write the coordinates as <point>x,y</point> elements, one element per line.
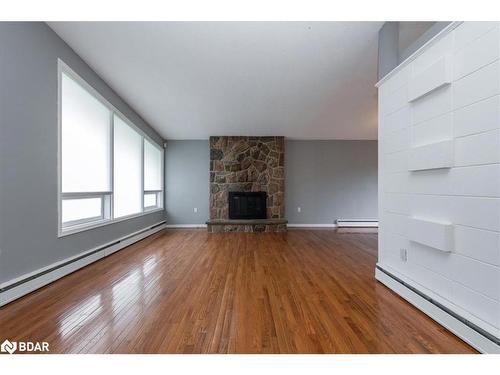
<point>190,80</point>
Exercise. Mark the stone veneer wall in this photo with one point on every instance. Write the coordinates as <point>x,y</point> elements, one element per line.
<point>247,164</point>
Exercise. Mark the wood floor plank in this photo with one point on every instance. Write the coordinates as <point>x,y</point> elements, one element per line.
<point>188,291</point>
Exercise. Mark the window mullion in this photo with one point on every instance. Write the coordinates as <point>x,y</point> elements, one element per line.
<point>161,194</point>
<point>142,176</point>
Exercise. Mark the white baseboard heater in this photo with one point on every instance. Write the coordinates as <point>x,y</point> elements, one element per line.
<point>27,283</point>
<point>356,223</point>
<point>472,334</point>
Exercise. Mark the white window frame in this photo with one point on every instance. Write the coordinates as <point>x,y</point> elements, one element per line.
<point>106,216</point>
<point>82,223</point>
<point>158,194</point>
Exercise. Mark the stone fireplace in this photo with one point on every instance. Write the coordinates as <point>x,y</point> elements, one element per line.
<point>247,164</point>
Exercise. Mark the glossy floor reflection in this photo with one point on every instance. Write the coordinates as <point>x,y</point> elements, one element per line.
<point>187,291</point>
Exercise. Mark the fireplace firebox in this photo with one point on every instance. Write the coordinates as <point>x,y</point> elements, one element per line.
<point>247,205</point>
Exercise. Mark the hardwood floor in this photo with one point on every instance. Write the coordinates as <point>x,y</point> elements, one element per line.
<point>187,291</point>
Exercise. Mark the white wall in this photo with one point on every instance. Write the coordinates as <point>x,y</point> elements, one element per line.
<point>439,173</point>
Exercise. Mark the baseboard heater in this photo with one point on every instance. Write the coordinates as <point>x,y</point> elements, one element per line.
<point>356,223</point>
<point>114,246</point>
<point>463,328</point>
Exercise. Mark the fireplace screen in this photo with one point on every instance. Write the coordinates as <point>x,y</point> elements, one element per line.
<point>247,205</point>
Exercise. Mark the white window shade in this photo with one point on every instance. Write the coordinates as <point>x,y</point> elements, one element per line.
<point>108,170</point>
<point>152,166</point>
<point>127,194</point>
<point>85,140</point>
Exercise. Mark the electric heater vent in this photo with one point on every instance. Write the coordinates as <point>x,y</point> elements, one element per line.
<point>355,223</point>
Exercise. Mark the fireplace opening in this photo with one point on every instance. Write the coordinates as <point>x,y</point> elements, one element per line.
<point>247,205</point>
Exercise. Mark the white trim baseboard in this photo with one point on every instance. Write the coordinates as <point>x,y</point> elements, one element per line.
<point>174,226</point>
<point>312,225</point>
<point>357,224</point>
<point>187,226</point>
<point>441,316</point>
<point>64,267</point>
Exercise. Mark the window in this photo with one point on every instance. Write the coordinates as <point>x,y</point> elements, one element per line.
<point>109,170</point>
<point>81,210</point>
<point>127,170</point>
<point>150,200</point>
<point>85,155</point>
<point>152,175</point>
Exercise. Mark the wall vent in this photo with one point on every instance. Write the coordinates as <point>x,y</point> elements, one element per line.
<point>357,223</point>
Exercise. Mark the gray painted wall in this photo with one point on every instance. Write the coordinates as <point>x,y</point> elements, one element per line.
<point>187,181</point>
<point>424,38</point>
<point>28,151</point>
<point>330,180</point>
<point>327,179</point>
<point>389,55</point>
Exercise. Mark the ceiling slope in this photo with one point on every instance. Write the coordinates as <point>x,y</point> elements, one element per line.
<point>190,80</point>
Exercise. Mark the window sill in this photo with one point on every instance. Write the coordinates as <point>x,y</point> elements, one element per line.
<point>63,232</point>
